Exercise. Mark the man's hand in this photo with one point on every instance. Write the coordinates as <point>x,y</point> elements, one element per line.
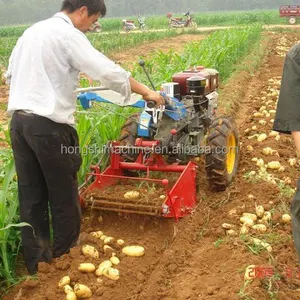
<point>145,92</point>
<point>154,96</point>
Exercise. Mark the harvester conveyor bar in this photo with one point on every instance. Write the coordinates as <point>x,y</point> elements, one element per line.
<point>127,211</point>
<point>123,205</point>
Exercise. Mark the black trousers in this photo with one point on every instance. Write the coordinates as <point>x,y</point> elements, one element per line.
<point>295,212</point>
<point>47,159</point>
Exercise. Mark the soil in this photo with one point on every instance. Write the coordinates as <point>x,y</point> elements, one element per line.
<point>195,258</point>
<point>177,43</point>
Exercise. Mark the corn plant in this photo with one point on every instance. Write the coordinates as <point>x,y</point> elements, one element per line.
<point>10,240</point>
<point>221,50</point>
<point>117,41</point>
<point>96,128</point>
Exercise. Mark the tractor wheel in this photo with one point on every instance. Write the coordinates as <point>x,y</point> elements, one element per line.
<point>292,20</point>
<point>128,136</point>
<point>221,161</point>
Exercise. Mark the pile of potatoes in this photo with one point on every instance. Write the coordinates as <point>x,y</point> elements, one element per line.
<point>257,222</point>
<point>106,268</point>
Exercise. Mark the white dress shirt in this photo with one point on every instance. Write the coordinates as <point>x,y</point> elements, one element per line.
<point>44,69</point>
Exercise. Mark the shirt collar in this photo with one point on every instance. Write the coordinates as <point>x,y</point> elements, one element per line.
<point>64,16</point>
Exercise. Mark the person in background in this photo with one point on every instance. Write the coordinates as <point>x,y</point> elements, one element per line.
<point>287,121</point>
<point>43,74</point>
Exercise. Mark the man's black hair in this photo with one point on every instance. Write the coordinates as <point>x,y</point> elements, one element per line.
<point>93,6</point>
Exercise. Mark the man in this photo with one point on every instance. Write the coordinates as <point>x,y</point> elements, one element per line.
<point>287,120</point>
<point>43,73</point>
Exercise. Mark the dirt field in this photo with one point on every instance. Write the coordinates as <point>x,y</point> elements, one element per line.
<point>194,259</point>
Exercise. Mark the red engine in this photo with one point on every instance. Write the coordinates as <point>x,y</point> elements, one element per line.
<point>211,76</point>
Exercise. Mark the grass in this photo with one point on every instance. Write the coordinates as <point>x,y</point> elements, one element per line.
<point>242,294</point>
<point>286,191</point>
<point>219,242</point>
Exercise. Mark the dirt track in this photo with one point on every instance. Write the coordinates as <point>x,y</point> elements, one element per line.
<point>211,28</point>
<point>193,259</point>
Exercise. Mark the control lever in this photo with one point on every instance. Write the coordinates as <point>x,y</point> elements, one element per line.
<point>151,104</point>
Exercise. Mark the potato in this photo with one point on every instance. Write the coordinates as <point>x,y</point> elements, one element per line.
<point>106,264</point>
<point>114,260</point>
<point>250,216</point>
<point>107,248</point>
<point>108,240</point>
<point>67,289</point>
<point>250,148</point>
<point>82,291</point>
<point>261,228</point>
<point>263,244</point>
<point>260,162</point>
<point>231,232</point>
<point>86,268</point>
<point>97,234</point>
<point>111,273</point>
<point>71,296</point>
<point>133,251</point>
<point>292,161</point>
<point>259,209</point>
<point>227,226</point>
<point>99,272</point>
<point>103,237</point>
<point>90,251</point>
<point>261,137</point>
<point>286,218</point>
<point>273,133</point>
<point>267,216</point>
<point>120,242</point>
<point>131,195</point>
<point>247,222</point>
<point>274,165</point>
<point>244,230</point>
<point>64,281</point>
<point>262,122</point>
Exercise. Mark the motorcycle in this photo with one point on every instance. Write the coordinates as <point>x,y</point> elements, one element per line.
<point>142,23</point>
<point>180,23</point>
<point>128,25</point>
<point>96,27</point>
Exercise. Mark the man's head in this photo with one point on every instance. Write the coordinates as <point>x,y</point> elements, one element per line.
<point>84,13</point>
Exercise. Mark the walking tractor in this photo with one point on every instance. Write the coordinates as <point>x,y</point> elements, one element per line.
<point>159,149</point>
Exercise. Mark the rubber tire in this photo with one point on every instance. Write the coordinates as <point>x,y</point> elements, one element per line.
<point>128,136</point>
<point>292,20</point>
<point>193,25</point>
<point>215,163</point>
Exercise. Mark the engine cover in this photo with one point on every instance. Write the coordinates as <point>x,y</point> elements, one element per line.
<point>211,76</point>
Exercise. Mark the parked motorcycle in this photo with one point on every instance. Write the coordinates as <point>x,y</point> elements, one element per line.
<point>142,22</point>
<point>180,23</point>
<point>96,27</point>
<point>128,25</point>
